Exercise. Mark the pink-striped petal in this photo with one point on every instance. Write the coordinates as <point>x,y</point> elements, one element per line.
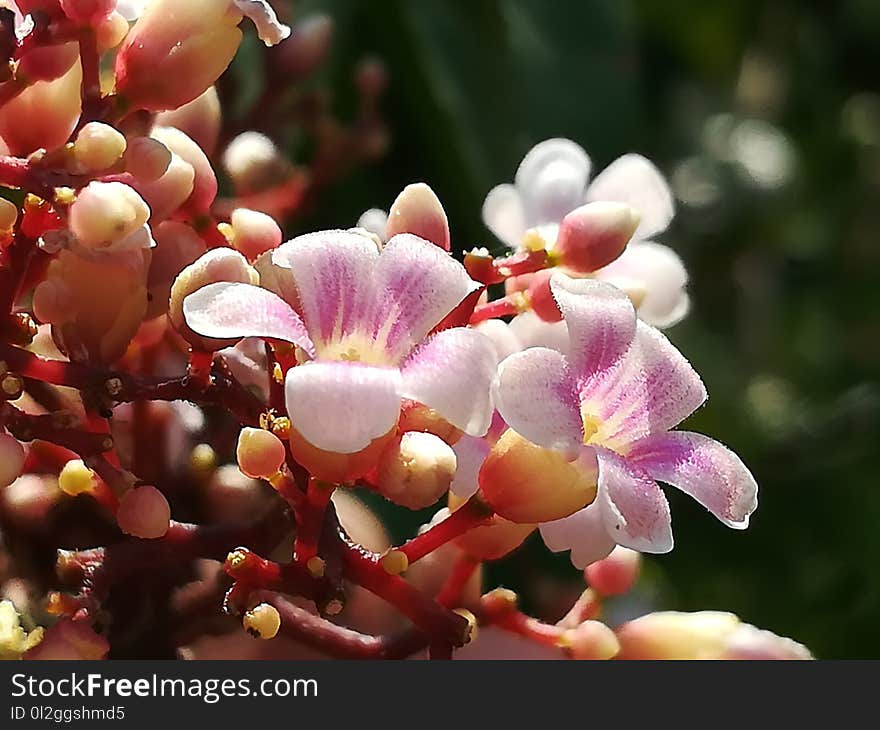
<point>654,276</point>
<point>452,373</point>
<point>534,392</point>
<point>225,310</point>
<point>703,468</point>
<point>583,533</point>
<point>342,406</point>
<point>633,507</point>
<point>417,285</point>
<point>334,272</point>
<point>601,324</point>
<point>652,390</point>
<point>634,180</point>
<point>504,215</point>
<point>552,179</point>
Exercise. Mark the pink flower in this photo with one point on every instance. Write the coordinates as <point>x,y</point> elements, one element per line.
<point>610,404</point>
<point>362,320</point>
<point>553,180</point>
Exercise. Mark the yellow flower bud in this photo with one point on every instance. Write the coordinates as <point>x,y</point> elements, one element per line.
<point>98,146</point>
<point>260,453</point>
<point>76,478</point>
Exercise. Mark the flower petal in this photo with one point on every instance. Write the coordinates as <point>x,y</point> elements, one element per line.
<point>418,284</point>
<point>601,324</point>
<point>633,507</point>
<point>342,406</point>
<point>452,373</point>
<point>224,310</point>
<point>504,215</point>
<point>635,180</point>
<point>269,28</point>
<point>470,453</point>
<point>552,179</point>
<point>654,275</point>
<point>532,331</point>
<point>334,273</point>
<point>583,533</point>
<point>534,392</point>
<point>703,468</point>
<point>652,390</point>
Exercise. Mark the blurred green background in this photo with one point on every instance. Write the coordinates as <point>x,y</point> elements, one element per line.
<point>765,117</point>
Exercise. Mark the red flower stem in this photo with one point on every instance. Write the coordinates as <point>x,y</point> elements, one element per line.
<point>522,262</point>
<point>308,532</point>
<point>435,620</point>
<point>337,641</point>
<point>499,308</point>
<point>56,372</point>
<point>17,172</point>
<point>588,606</point>
<point>471,514</point>
<point>462,570</point>
<point>496,609</point>
<point>90,61</point>
<point>49,427</point>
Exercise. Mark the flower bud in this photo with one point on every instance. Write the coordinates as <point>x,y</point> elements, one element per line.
<point>374,221</point>
<point>541,298</point>
<point>177,246</point>
<point>616,574</point>
<point>87,11</point>
<point>593,235</point>
<point>417,210</point>
<point>219,264</point>
<point>491,541</point>
<point>260,453</point>
<point>205,181</point>
<point>51,108</point>
<point>415,470</point>
<point>111,31</point>
<point>98,146</point>
<point>12,457</point>
<point>418,417</point>
<point>147,159</point>
<point>45,63</point>
<point>592,640</point>
<point>144,512</point>
<point>307,47</point>
<point>105,213</point>
<point>199,119</point>
<point>702,635</point>
<point>91,322</point>
<point>76,478</point>
<point>174,52</point>
<point>525,483</point>
<point>8,215</point>
<point>338,468</point>
<point>253,162</point>
<point>262,621</point>
<point>254,232</point>
<point>170,191</point>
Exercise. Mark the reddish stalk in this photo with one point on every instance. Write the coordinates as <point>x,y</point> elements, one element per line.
<point>90,61</point>
<point>505,307</point>
<point>318,494</point>
<point>498,608</point>
<point>471,514</point>
<point>462,570</point>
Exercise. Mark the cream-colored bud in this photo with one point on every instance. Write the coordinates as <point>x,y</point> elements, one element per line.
<point>418,210</point>
<point>98,146</point>
<point>262,621</point>
<point>260,453</point>
<point>147,159</point>
<point>254,232</point>
<point>415,470</point>
<point>205,181</point>
<point>144,512</point>
<point>592,640</point>
<point>111,31</point>
<point>8,215</point>
<point>76,478</point>
<point>219,264</point>
<point>253,161</point>
<point>170,191</point>
<point>106,212</point>
<point>12,457</point>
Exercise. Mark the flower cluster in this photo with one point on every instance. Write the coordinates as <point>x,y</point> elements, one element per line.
<point>151,330</point>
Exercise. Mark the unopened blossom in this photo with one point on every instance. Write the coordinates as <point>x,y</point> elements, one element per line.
<point>144,512</point>
<point>702,635</point>
<point>609,407</point>
<point>110,217</point>
<point>254,162</point>
<point>204,188</point>
<point>545,207</point>
<point>416,210</point>
<point>12,457</point>
<point>361,320</point>
<point>415,470</point>
<point>176,50</point>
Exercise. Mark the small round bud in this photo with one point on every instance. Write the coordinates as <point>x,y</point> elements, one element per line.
<point>525,483</point>
<point>307,47</point>
<point>147,159</point>
<point>8,215</point>
<point>616,574</point>
<point>415,470</point>
<point>12,457</point>
<point>260,453</point>
<point>111,31</point>
<point>106,212</point>
<point>418,210</point>
<point>170,191</point>
<point>262,621</point>
<point>253,161</point>
<point>205,181</point>
<point>98,146</point>
<point>593,235</point>
<point>374,221</point>
<point>144,512</point>
<point>254,232</point>
<point>76,478</point>
<point>592,640</point>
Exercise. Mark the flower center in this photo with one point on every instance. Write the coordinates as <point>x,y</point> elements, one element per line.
<point>591,426</point>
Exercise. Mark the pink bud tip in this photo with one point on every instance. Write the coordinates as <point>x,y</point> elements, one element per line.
<point>418,210</point>
<point>595,234</point>
<point>144,512</point>
<point>616,574</point>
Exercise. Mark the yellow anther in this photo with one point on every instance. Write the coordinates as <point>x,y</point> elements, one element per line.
<point>316,566</point>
